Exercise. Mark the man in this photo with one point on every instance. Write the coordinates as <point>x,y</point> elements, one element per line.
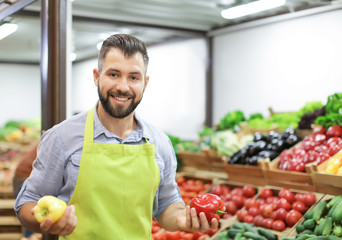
<point>114,170</point>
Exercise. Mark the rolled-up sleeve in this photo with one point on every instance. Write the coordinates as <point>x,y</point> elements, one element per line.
<point>168,192</point>
<point>47,175</point>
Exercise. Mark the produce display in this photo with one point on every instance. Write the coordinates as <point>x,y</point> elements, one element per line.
<point>333,115</point>
<point>334,165</point>
<point>323,144</point>
<point>263,146</point>
<point>20,131</point>
<point>322,222</point>
<point>191,187</point>
<point>49,207</point>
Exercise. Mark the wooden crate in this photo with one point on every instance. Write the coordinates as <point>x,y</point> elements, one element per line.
<point>246,173</point>
<point>202,161</point>
<point>251,130</point>
<point>290,179</point>
<point>326,182</point>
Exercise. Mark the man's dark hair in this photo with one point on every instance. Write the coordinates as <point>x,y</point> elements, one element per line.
<point>128,44</point>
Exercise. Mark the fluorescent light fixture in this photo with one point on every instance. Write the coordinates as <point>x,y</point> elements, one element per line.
<point>7,29</point>
<point>250,8</point>
<point>73,56</point>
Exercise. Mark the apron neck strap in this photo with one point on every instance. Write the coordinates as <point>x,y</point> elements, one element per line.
<point>89,127</point>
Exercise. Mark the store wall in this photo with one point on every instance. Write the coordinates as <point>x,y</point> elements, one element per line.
<point>19,92</point>
<point>281,65</point>
<point>174,99</point>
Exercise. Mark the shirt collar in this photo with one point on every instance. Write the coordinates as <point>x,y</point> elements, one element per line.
<point>141,131</point>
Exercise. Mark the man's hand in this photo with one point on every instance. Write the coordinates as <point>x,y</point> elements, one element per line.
<point>189,221</point>
<point>64,226</point>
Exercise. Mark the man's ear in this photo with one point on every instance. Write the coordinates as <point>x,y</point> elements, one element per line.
<point>147,79</point>
<point>96,76</point>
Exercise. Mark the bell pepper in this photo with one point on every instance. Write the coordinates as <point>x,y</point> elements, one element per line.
<point>49,207</point>
<point>334,163</point>
<point>210,204</point>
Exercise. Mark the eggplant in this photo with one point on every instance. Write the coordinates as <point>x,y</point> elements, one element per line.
<point>258,136</point>
<point>259,146</point>
<point>274,134</point>
<point>268,154</point>
<point>292,140</point>
<point>288,131</point>
<point>253,160</point>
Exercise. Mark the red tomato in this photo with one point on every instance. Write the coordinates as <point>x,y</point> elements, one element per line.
<point>267,223</point>
<point>299,197</point>
<point>227,197</point>
<point>238,200</point>
<point>188,236</point>
<point>260,201</point>
<point>334,131</point>
<point>237,191</point>
<point>254,211</point>
<point>241,214</point>
<point>211,232</point>
<point>159,236</point>
<point>299,206</point>
<point>280,214</point>
<point>226,216</point>
<point>225,189</point>
<point>318,130</point>
<point>203,237</point>
<point>273,199</point>
<point>266,193</point>
<point>266,210</point>
<point>297,165</point>
<point>333,140</point>
<point>180,180</point>
<point>217,189</point>
<point>309,199</point>
<point>248,219</point>
<point>258,220</point>
<point>278,225</point>
<point>172,235</point>
<point>292,217</point>
<point>251,202</point>
<point>230,207</point>
<point>155,229</point>
<point>248,191</point>
<point>320,138</point>
<point>322,157</point>
<point>284,204</point>
<point>287,194</point>
<point>334,149</point>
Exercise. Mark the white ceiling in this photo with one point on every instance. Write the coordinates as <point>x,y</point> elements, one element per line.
<point>153,21</point>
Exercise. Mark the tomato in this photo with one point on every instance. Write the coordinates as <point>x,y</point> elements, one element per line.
<point>248,219</point>
<point>188,236</point>
<point>217,190</point>
<point>238,200</point>
<point>260,201</point>
<point>225,189</point>
<point>155,228</point>
<point>266,210</point>
<point>280,214</point>
<point>203,237</point>
<point>333,140</point>
<point>318,130</point>
<point>226,216</point>
<point>180,180</point>
<point>320,139</point>
<point>278,225</point>
<point>172,235</point>
<point>159,236</point>
<point>258,220</point>
<point>267,223</point>
<point>334,131</point>
<point>227,197</point>
<point>211,232</point>
<point>309,199</point>
<point>230,207</point>
<point>284,204</point>
<point>334,149</point>
<point>237,191</point>
<point>254,211</point>
<point>321,148</point>
<point>292,217</point>
<point>251,202</point>
<point>322,157</point>
<point>287,194</point>
<point>248,191</point>
<point>299,206</point>
<point>266,193</point>
<point>297,165</point>
<point>241,214</point>
<point>299,197</point>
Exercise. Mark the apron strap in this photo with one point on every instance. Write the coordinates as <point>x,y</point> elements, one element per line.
<point>89,127</point>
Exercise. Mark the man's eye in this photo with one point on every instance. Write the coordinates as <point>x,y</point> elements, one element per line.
<point>113,74</point>
<point>135,78</point>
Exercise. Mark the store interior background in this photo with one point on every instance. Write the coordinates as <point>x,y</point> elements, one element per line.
<point>281,65</point>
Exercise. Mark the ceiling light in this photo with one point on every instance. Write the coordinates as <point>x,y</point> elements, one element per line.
<point>7,29</point>
<point>73,56</point>
<point>250,8</point>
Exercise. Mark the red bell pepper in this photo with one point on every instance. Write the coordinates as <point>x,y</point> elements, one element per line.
<point>211,204</point>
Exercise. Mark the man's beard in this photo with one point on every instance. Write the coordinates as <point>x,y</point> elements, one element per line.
<point>119,111</point>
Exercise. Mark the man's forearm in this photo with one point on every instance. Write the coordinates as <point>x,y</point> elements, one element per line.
<point>27,219</point>
<point>168,219</point>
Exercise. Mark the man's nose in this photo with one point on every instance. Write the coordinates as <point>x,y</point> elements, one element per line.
<point>123,85</point>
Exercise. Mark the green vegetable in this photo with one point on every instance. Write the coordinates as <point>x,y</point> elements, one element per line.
<point>231,119</point>
<point>255,116</point>
<point>334,104</point>
<point>207,131</point>
<point>337,230</point>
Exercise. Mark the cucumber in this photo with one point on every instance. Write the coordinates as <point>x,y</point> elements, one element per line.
<point>249,228</point>
<point>252,235</point>
<point>232,232</point>
<point>309,214</point>
<point>309,224</point>
<point>302,236</point>
<point>319,210</point>
<point>238,226</point>
<point>238,236</point>
<point>267,234</point>
<point>327,226</point>
<point>337,213</point>
<point>337,231</point>
<point>332,237</point>
<point>332,209</point>
<point>318,238</point>
<point>307,231</point>
<point>300,228</point>
<point>289,238</point>
<point>320,226</point>
<point>333,201</point>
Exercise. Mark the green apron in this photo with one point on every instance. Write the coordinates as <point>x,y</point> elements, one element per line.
<point>115,189</point>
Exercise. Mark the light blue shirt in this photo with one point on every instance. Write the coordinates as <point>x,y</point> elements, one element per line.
<point>56,168</point>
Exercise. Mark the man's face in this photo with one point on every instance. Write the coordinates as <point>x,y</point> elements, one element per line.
<point>121,83</point>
